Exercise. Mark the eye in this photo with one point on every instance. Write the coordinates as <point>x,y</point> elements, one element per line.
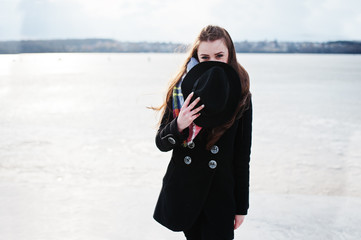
<point>219,56</point>
<point>204,57</point>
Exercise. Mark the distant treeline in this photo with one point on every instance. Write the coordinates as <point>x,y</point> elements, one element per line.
<point>109,45</point>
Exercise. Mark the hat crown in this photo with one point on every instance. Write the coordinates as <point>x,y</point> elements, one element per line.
<point>213,89</point>
<point>219,88</point>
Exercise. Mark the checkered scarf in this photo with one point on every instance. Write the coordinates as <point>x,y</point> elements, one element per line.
<point>178,101</point>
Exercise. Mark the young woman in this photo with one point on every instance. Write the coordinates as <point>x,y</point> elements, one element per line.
<point>207,123</point>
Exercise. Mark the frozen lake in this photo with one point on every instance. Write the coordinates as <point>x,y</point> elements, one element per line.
<point>78,159</point>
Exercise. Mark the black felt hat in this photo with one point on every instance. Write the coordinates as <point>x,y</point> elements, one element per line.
<point>219,87</point>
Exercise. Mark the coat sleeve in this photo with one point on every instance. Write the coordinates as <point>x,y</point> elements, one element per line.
<point>168,135</point>
<point>241,161</point>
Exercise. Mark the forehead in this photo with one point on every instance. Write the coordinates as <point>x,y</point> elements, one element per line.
<point>209,47</point>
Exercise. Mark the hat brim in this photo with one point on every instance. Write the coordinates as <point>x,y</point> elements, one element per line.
<point>233,99</point>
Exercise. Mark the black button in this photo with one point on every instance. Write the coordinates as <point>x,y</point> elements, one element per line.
<point>171,140</point>
<point>187,160</point>
<point>215,149</point>
<point>212,164</point>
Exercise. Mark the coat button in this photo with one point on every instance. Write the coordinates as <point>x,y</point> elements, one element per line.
<point>215,149</point>
<point>191,145</point>
<point>187,160</point>
<point>212,164</point>
<point>171,140</point>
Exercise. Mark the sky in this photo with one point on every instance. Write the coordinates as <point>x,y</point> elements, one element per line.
<point>180,21</point>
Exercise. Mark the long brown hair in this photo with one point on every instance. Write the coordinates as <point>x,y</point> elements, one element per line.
<point>212,33</point>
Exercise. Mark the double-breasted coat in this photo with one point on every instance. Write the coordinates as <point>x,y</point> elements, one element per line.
<point>215,181</point>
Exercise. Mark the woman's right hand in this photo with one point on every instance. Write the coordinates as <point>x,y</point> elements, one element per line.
<point>187,114</point>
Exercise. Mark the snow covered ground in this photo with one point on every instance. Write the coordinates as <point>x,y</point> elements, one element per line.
<point>78,160</point>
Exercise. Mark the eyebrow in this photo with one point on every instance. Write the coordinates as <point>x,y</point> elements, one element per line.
<point>204,54</point>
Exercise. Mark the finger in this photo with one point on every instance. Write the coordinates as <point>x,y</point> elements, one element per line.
<point>236,225</point>
<point>194,111</point>
<point>195,116</point>
<point>194,103</point>
<point>238,222</point>
<point>188,99</point>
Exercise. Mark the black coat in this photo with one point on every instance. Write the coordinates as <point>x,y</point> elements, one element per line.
<point>193,182</point>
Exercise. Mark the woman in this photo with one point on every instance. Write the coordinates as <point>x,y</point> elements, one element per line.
<point>205,190</point>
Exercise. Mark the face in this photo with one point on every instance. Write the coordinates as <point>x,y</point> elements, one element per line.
<point>213,51</point>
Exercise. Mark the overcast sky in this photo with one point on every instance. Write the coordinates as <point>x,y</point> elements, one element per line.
<point>180,21</point>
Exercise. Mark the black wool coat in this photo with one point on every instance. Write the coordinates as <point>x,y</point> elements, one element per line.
<point>216,182</point>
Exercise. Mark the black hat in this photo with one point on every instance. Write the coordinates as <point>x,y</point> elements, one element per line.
<point>219,87</point>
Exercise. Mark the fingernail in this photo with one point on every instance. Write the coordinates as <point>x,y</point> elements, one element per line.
<point>192,93</point>
<point>203,105</point>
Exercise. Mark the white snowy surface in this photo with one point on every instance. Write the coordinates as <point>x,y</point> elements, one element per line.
<point>78,159</point>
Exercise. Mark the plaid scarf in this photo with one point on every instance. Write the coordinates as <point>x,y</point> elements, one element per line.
<point>178,102</point>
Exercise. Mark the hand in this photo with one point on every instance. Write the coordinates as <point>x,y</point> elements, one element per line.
<point>238,220</point>
<point>187,115</point>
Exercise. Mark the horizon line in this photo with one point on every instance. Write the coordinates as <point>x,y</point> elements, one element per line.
<point>172,42</point>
